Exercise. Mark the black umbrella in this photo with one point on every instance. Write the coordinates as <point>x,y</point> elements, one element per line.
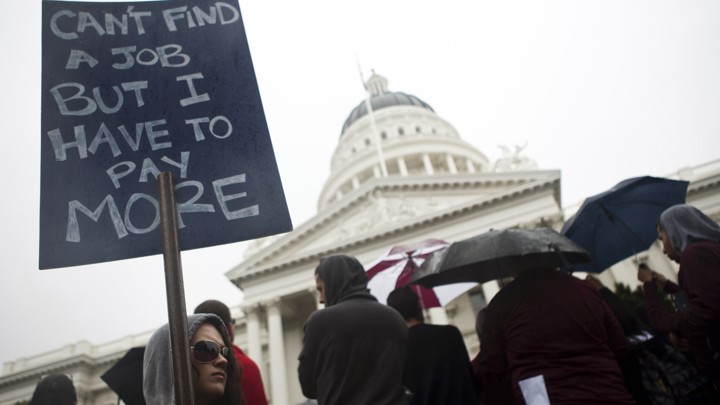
<point>126,377</point>
<point>622,221</point>
<point>498,254</point>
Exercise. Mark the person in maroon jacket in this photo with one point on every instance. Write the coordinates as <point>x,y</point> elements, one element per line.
<point>691,239</point>
<point>251,379</point>
<point>551,336</point>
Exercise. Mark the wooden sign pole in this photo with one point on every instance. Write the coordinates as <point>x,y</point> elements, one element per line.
<point>177,316</point>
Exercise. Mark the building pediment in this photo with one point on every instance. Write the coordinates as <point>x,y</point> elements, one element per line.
<point>385,206</point>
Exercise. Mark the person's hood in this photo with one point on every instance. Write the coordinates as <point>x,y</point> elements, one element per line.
<point>158,382</point>
<point>344,278</point>
<point>685,224</point>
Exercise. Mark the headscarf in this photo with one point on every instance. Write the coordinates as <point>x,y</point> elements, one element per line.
<point>344,278</point>
<point>158,385</point>
<point>684,224</point>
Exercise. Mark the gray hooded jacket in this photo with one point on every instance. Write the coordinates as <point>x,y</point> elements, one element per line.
<point>158,387</point>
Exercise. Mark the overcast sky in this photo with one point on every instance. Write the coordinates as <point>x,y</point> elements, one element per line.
<point>602,90</point>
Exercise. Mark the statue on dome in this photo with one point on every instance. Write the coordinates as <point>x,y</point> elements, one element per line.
<point>514,161</point>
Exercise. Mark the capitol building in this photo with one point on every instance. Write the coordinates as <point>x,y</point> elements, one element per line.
<point>400,174</point>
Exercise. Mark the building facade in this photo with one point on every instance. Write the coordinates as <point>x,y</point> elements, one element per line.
<point>400,174</point>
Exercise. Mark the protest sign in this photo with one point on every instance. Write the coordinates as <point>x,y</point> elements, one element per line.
<point>132,89</point>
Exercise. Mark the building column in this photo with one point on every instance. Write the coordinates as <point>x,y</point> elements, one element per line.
<point>276,345</point>
<point>316,296</point>
<point>470,166</point>
<point>254,341</point>
<point>490,289</point>
<point>402,167</point>
<point>452,168</point>
<point>427,163</point>
<point>438,316</point>
<point>252,323</point>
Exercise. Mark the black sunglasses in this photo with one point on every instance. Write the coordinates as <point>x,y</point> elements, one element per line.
<point>206,351</point>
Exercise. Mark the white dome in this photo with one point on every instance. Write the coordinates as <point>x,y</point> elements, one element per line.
<point>414,141</point>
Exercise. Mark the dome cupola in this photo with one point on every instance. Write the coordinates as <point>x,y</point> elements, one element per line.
<point>380,97</point>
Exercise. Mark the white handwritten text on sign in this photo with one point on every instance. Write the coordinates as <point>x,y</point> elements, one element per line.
<point>134,89</point>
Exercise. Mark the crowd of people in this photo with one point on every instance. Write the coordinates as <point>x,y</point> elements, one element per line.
<point>551,338</point>
<point>546,338</point>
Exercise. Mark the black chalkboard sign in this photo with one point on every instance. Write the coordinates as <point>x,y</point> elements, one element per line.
<point>132,89</point>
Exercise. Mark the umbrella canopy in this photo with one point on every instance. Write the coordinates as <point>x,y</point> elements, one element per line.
<point>498,254</point>
<point>622,221</point>
<point>126,377</point>
<point>394,269</point>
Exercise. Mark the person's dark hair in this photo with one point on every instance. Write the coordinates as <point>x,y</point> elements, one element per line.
<point>215,307</point>
<point>406,302</point>
<point>233,394</point>
<point>54,389</point>
<point>233,390</point>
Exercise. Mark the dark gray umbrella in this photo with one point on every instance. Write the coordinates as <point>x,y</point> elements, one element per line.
<point>498,254</point>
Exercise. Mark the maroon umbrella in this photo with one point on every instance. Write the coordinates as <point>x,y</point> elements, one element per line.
<point>395,268</point>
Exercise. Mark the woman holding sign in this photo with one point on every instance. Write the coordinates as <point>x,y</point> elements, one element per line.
<point>214,369</point>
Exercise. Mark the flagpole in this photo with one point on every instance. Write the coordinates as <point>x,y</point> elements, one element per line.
<point>373,127</point>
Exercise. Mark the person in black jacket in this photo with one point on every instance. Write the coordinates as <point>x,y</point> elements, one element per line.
<point>354,349</point>
<point>437,370</point>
